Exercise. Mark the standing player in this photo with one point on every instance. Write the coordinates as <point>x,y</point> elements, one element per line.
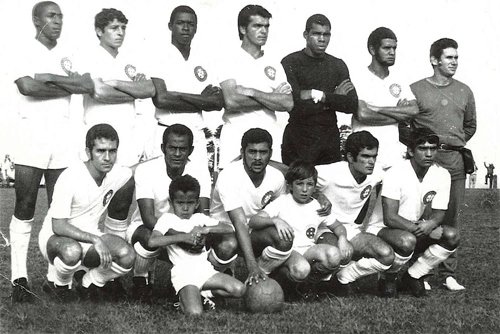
<point>45,83</point>
<point>447,107</point>
<point>152,180</point>
<point>70,236</point>
<point>320,87</point>
<point>296,218</point>
<point>192,272</point>
<point>254,86</point>
<point>348,184</point>
<point>243,188</point>
<point>183,77</point>
<point>117,86</point>
<point>385,98</point>
<point>415,198</point>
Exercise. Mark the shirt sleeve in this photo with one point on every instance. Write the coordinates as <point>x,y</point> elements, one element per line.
<point>165,223</point>
<point>62,198</point>
<point>440,201</point>
<point>470,118</point>
<point>228,193</point>
<point>391,188</point>
<point>143,182</point>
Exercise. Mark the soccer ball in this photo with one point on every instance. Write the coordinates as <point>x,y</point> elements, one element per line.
<point>264,297</point>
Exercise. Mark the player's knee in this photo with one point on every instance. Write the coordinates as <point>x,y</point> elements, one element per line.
<point>332,258</point>
<point>227,247</point>
<point>192,310</point>
<point>70,253</point>
<point>406,244</point>
<point>300,270</point>
<point>385,254</point>
<point>237,289</point>
<point>451,236</point>
<point>125,256</point>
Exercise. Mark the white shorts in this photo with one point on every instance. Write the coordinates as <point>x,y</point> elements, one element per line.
<point>48,144</point>
<point>189,274</point>
<point>375,228</point>
<point>46,233</point>
<point>351,229</point>
<point>230,141</point>
<point>199,156</point>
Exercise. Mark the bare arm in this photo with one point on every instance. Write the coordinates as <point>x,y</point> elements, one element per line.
<point>204,206</point>
<point>262,220</point>
<point>62,228</point>
<point>374,115</point>
<point>39,89</point>
<point>238,219</point>
<point>139,89</point>
<point>210,99</point>
<point>157,239</point>
<point>73,83</point>
<point>147,210</point>
<point>392,219</point>
<point>107,94</point>
<point>171,101</point>
<point>345,247</point>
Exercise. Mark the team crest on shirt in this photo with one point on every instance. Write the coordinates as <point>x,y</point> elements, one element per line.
<point>267,198</point>
<point>66,65</point>
<point>311,232</point>
<point>270,72</point>
<point>107,197</point>
<point>395,90</point>
<point>429,197</point>
<point>364,194</point>
<point>200,73</point>
<point>130,71</point>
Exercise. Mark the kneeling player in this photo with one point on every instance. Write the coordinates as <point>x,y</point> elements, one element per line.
<point>296,218</point>
<point>70,237</point>
<point>415,198</point>
<point>183,234</point>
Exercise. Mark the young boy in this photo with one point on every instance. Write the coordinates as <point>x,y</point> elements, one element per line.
<point>183,234</point>
<point>295,217</point>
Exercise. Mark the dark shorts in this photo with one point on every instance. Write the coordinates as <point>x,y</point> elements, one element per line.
<point>319,145</point>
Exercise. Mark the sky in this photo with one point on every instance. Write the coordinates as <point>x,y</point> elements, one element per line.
<point>473,24</point>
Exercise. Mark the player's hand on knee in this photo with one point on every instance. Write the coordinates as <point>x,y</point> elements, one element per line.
<point>346,250</point>
<point>103,252</point>
<point>326,205</point>
<point>285,231</point>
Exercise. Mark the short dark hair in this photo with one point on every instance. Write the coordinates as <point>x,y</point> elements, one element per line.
<point>438,46</point>
<point>300,170</point>
<point>377,35</point>
<point>320,19</point>
<point>180,130</point>
<point>102,130</point>
<point>358,141</point>
<point>420,136</point>
<point>184,183</point>
<point>39,7</point>
<point>256,136</point>
<point>182,9</point>
<point>108,15</point>
<point>249,11</point>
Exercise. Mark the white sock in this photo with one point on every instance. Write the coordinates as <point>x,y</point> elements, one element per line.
<point>432,256</point>
<point>116,227</point>
<point>20,232</point>
<point>363,267</point>
<point>271,258</point>
<point>221,265</point>
<point>399,262</point>
<point>64,272</point>
<point>207,294</point>
<point>51,273</point>
<point>144,260</point>
<point>100,276</point>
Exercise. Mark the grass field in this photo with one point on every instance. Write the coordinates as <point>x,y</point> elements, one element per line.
<point>475,310</point>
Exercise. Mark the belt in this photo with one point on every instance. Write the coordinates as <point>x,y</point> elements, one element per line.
<point>450,147</point>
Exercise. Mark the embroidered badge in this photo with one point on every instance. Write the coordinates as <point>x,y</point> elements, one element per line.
<point>270,72</point>
<point>200,73</point>
<point>311,232</point>
<point>130,71</point>
<point>429,197</point>
<point>366,192</point>
<point>66,65</point>
<point>395,90</point>
<point>266,199</point>
<point>107,197</point>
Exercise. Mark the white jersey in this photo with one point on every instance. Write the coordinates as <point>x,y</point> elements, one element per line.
<point>303,218</point>
<point>36,58</point>
<point>402,184</point>
<point>383,93</point>
<point>176,254</point>
<point>79,199</point>
<point>234,189</point>
<point>152,181</point>
<point>347,196</point>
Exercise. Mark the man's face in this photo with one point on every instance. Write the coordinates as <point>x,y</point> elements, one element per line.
<point>176,151</point>
<point>447,64</point>
<point>185,204</point>
<point>183,28</point>
<point>317,39</point>
<point>103,155</point>
<point>386,53</point>
<point>50,22</point>
<point>256,157</point>
<point>257,30</point>
<point>424,154</point>
<point>113,35</point>
<point>365,161</point>
<point>302,190</point>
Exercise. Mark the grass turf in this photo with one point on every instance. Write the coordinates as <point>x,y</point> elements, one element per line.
<point>475,310</point>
